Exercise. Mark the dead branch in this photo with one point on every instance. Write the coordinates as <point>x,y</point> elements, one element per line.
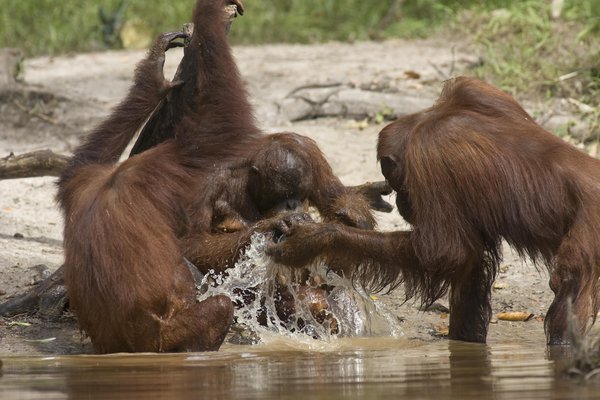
<point>37,163</point>
<point>47,299</point>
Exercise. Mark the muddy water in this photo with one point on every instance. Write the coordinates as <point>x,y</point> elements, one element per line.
<point>283,368</point>
<point>291,363</point>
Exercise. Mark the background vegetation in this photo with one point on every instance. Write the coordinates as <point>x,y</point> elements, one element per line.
<point>523,46</point>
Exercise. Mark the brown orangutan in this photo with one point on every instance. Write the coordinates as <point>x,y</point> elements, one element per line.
<point>125,273</point>
<point>142,202</point>
<point>245,176</point>
<point>288,172</point>
<point>253,175</point>
<point>470,171</point>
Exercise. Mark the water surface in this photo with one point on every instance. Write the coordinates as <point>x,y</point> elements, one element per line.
<point>284,368</point>
<point>290,364</point>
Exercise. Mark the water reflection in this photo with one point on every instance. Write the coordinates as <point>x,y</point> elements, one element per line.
<point>349,368</point>
<point>470,366</point>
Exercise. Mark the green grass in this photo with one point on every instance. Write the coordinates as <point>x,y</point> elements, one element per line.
<point>523,49</point>
<point>52,26</point>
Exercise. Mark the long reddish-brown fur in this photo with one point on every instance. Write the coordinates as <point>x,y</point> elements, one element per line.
<point>125,273</point>
<point>470,171</point>
<point>135,215</point>
<point>285,172</point>
<point>215,123</point>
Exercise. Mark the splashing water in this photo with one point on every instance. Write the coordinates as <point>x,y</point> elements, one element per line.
<point>252,282</point>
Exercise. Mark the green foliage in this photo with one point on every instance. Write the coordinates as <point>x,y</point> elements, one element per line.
<point>53,26</point>
<point>588,12</point>
<point>525,50</point>
<point>44,27</point>
<point>515,40</point>
<point>308,20</point>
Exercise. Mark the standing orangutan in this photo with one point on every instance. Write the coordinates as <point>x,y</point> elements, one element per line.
<point>470,171</point>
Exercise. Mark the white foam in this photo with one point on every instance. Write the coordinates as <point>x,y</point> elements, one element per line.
<point>356,312</point>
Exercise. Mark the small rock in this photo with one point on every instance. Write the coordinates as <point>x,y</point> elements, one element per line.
<point>568,125</point>
<point>437,308</point>
<point>504,268</point>
<point>439,330</point>
<point>412,74</point>
<point>18,235</point>
<point>40,272</point>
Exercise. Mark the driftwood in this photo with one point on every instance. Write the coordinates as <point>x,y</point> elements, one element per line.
<point>317,101</point>
<point>37,163</point>
<point>47,299</point>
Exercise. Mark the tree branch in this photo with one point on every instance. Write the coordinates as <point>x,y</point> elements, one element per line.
<point>37,163</point>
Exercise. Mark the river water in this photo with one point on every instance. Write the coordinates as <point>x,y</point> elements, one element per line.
<point>284,368</point>
<point>368,358</point>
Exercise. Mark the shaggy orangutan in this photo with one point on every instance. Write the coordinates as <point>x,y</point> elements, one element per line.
<point>468,172</point>
<point>125,273</point>
<point>125,308</point>
<point>287,173</point>
<point>248,176</point>
<point>252,174</point>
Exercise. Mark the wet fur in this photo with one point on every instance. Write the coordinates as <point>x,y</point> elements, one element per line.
<point>253,192</point>
<point>475,169</point>
<point>129,227</point>
<point>124,269</point>
<point>470,171</point>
